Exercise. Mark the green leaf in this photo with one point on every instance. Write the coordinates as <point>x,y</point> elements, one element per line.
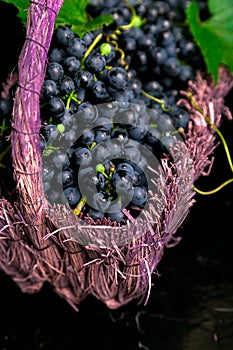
<point>22,6</point>
<point>215,35</point>
<point>72,12</point>
<point>93,24</point>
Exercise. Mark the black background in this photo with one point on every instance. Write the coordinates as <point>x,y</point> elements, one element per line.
<point>191,303</point>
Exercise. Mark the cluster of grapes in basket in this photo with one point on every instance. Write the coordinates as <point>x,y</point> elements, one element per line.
<point>108,106</point>
<point>108,103</point>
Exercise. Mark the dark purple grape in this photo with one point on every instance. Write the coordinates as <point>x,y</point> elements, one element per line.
<point>140,196</point>
<point>76,47</point>
<point>120,134</point>
<point>88,137</point>
<point>104,124</point>
<point>67,178</point>
<point>118,78</point>
<point>57,54</point>
<point>153,136</point>
<point>55,106</point>
<point>49,132</point>
<point>88,38</point>
<point>101,136</point>
<point>87,113</point>
<point>181,117</point>
<point>172,67</point>
<point>98,91</point>
<point>82,155</point>
<point>71,64</point>
<point>83,79</point>
<point>60,160</point>
<point>49,89</point>
<point>66,85</point>
<point>53,196</point>
<point>95,62</point>
<point>73,196</point>
<point>55,71</point>
<point>63,35</point>
<point>138,132</point>
<point>167,141</point>
<point>122,181</point>
<point>146,41</point>
<point>165,123</point>
<point>48,173</point>
<point>125,167</point>
<point>159,55</point>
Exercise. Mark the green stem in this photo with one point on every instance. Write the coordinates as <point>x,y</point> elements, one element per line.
<point>216,129</point>
<point>79,207</point>
<point>214,190</point>
<point>161,102</point>
<point>90,48</point>
<point>135,21</point>
<point>195,105</point>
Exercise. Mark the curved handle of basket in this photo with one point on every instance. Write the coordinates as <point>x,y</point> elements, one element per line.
<point>26,122</point>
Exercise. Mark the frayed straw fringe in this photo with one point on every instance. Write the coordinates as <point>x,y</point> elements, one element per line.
<point>37,240</point>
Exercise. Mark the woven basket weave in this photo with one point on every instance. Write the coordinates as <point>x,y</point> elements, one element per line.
<point>32,248</point>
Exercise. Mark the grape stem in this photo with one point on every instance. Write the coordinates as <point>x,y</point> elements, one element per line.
<point>117,48</point>
<point>136,20</point>
<point>161,102</point>
<point>79,207</point>
<point>195,105</point>
<point>71,97</point>
<point>90,48</point>
<point>216,129</point>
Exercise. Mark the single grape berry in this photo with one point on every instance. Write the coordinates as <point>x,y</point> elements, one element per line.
<point>118,78</point>
<point>76,47</point>
<point>57,54</point>
<point>49,89</point>
<point>140,196</point>
<point>73,196</point>
<point>71,64</point>
<point>55,71</point>
<point>55,106</point>
<point>63,35</point>
<point>83,79</point>
<point>95,62</point>
<point>82,155</point>
<point>66,85</point>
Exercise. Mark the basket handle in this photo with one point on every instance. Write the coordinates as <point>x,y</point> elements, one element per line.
<point>26,123</point>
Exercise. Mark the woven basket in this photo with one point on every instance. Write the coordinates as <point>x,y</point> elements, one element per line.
<point>35,248</point>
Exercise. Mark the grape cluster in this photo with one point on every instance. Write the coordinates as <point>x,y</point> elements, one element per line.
<point>160,50</point>
<point>108,103</point>
<point>95,119</point>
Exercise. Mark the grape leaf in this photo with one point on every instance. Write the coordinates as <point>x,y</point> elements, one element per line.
<point>214,35</point>
<point>93,24</point>
<point>72,12</point>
